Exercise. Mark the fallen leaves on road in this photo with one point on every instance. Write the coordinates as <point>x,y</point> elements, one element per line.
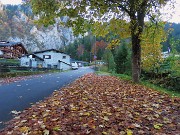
<point>100,105</point>
<point>15,112</point>
<point>16,79</point>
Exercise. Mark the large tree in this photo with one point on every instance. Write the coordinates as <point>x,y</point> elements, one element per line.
<point>133,11</point>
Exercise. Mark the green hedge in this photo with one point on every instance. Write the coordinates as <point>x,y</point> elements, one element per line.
<point>165,80</point>
<point>9,62</point>
<point>170,82</point>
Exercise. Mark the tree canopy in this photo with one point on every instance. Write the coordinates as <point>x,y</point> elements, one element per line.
<point>81,13</point>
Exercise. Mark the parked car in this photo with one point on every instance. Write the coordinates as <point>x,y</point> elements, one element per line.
<point>74,65</point>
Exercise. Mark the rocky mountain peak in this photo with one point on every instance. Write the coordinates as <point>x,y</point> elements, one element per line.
<point>18,25</point>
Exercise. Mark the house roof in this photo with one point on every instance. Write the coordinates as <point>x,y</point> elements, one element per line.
<point>64,62</point>
<point>7,43</point>
<point>38,57</point>
<point>48,50</point>
<point>34,56</point>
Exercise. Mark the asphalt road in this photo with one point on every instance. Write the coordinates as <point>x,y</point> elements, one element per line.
<point>20,95</point>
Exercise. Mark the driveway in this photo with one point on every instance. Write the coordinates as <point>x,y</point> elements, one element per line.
<point>20,95</point>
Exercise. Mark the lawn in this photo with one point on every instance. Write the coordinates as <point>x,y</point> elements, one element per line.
<point>100,105</point>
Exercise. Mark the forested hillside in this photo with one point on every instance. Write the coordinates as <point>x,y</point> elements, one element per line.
<point>173,40</point>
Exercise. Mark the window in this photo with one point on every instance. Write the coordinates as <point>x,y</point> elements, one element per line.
<point>47,56</point>
<point>55,66</point>
<point>48,66</point>
<point>64,57</point>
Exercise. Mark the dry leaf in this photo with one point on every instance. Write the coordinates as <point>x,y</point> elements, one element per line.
<point>99,104</point>
<point>46,132</point>
<point>129,132</point>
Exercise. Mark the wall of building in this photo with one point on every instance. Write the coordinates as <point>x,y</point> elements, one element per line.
<point>1,53</point>
<point>52,62</point>
<point>64,66</point>
<point>25,61</point>
<point>28,61</point>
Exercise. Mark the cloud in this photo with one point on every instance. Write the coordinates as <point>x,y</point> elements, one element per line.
<point>171,12</point>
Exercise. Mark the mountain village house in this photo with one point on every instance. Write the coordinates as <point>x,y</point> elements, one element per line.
<point>12,50</point>
<point>47,59</point>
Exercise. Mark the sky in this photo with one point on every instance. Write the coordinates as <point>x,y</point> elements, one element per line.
<point>13,2</point>
<point>171,15</point>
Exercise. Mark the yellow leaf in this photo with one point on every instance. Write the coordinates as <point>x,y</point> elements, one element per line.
<point>44,119</point>
<point>106,118</point>
<point>129,132</point>
<point>45,114</point>
<point>136,125</point>
<point>158,126</point>
<point>156,115</point>
<point>24,129</point>
<point>43,126</point>
<point>57,128</point>
<point>55,119</point>
<point>74,109</point>
<point>107,113</point>
<point>166,120</point>
<point>101,126</point>
<point>85,98</point>
<point>46,132</point>
<point>104,133</point>
<point>23,121</point>
<point>85,125</point>
<point>85,114</point>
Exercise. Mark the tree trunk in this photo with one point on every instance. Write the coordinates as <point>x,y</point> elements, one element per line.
<point>136,58</point>
<point>137,25</point>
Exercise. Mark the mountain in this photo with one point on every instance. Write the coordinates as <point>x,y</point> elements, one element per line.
<point>17,24</point>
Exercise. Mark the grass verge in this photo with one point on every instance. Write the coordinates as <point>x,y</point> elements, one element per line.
<point>144,83</point>
<point>160,89</point>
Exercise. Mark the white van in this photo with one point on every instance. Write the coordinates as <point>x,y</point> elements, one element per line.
<point>74,65</point>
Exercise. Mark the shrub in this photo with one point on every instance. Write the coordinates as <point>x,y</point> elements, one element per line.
<point>109,60</point>
<point>123,60</point>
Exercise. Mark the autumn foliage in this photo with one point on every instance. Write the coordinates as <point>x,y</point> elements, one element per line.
<point>100,105</point>
<point>97,46</point>
<point>152,38</point>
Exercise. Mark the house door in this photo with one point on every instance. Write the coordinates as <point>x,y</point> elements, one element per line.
<point>30,63</point>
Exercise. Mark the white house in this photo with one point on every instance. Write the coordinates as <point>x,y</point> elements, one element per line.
<point>47,59</point>
<point>32,60</point>
<point>165,54</point>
